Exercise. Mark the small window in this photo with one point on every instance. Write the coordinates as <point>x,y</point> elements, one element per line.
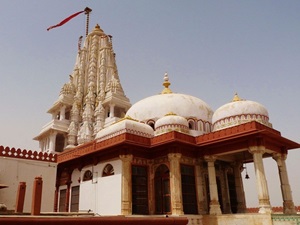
<point>88,175</point>
<point>108,170</point>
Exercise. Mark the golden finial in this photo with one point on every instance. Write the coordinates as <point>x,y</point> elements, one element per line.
<point>98,28</point>
<point>236,98</point>
<point>166,84</point>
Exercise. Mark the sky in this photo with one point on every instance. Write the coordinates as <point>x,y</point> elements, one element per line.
<point>210,49</point>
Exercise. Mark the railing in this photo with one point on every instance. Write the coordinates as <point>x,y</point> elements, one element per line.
<point>251,126</point>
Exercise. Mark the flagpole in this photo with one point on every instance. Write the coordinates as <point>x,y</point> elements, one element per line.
<point>87,11</point>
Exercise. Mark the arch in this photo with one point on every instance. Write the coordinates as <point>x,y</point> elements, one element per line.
<point>108,170</point>
<point>88,175</point>
<point>200,125</point>
<point>151,123</point>
<point>162,190</point>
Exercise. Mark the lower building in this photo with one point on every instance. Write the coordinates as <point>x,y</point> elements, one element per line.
<point>21,167</point>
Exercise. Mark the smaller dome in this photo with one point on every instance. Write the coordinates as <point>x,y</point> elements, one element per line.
<point>171,122</point>
<point>125,125</point>
<point>239,111</point>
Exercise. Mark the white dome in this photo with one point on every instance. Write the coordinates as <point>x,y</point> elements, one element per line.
<point>126,125</point>
<point>155,107</point>
<point>171,122</point>
<point>239,111</point>
<point>151,109</point>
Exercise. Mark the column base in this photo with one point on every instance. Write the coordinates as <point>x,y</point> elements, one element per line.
<point>214,208</point>
<point>241,208</point>
<point>126,208</point>
<point>266,209</point>
<point>289,207</point>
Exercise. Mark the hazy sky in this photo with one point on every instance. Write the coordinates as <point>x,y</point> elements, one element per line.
<point>210,49</point>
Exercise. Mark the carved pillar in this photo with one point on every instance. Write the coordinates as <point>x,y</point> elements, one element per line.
<point>261,181</point>
<point>126,193</point>
<point>151,187</point>
<point>288,203</point>
<point>175,183</point>
<point>201,203</point>
<point>239,188</point>
<point>214,204</point>
<point>225,190</point>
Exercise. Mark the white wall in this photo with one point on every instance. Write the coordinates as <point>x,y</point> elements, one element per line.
<point>13,171</point>
<point>102,195</point>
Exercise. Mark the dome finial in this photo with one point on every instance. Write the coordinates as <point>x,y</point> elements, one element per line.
<point>166,84</point>
<point>236,98</point>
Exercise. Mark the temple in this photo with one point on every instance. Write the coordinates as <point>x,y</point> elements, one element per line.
<point>167,154</point>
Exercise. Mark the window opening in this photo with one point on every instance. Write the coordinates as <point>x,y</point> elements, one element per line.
<point>62,200</point>
<point>75,199</point>
<point>189,198</point>
<point>59,143</point>
<point>139,190</point>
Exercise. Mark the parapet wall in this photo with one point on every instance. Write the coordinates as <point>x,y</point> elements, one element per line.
<point>27,154</point>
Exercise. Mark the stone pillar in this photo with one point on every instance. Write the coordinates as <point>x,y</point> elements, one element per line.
<point>126,193</point>
<point>261,182</point>
<point>288,203</point>
<point>37,196</point>
<point>68,192</point>
<point>214,204</point>
<point>20,197</point>
<point>239,188</point>
<point>112,110</point>
<point>52,141</point>
<point>175,183</point>
<point>201,203</point>
<point>62,113</point>
<point>56,194</point>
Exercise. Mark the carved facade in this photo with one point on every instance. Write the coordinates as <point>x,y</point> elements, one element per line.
<point>91,100</point>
